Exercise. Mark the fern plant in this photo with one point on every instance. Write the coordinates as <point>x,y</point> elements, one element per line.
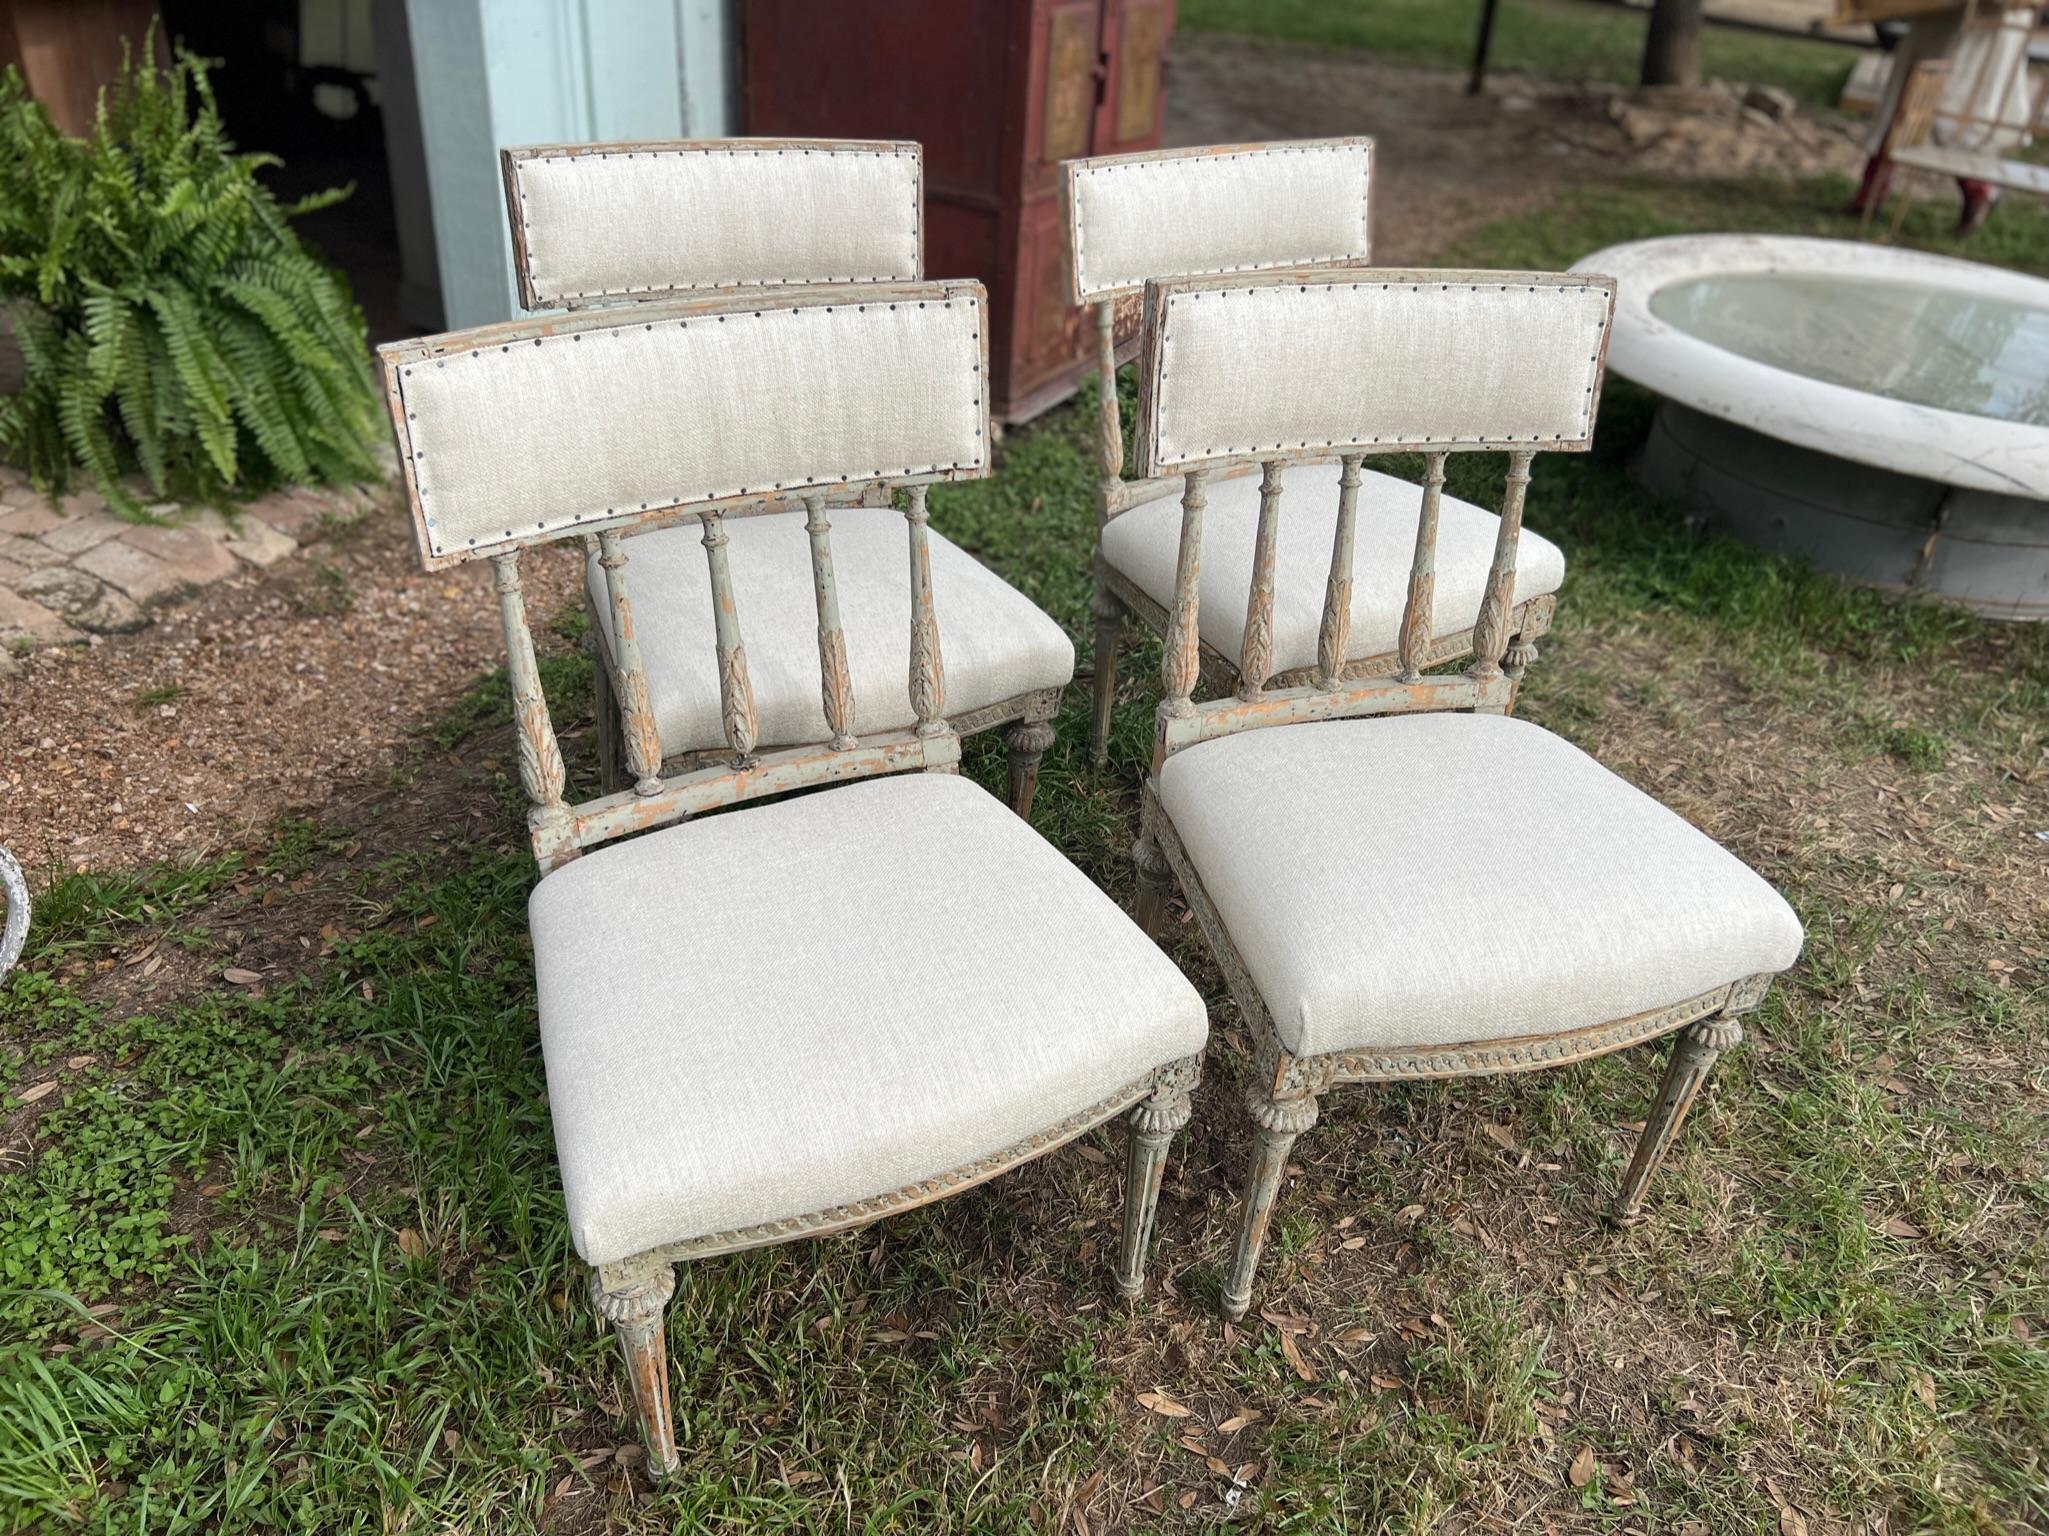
<point>169,319</point>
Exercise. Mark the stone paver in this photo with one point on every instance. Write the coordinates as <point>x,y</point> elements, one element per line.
<point>260,544</point>
<point>75,566</point>
<point>196,557</point>
<point>296,514</point>
<point>76,535</point>
<point>32,553</point>
<point>85,600</point>
<point>23,618</point>
<point>30,520</point>
<point>136,572</point>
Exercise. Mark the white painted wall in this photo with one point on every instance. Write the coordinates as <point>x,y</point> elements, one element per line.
<point>498,72</point>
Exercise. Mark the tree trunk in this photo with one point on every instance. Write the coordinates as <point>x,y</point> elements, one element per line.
<point>1671,50</point>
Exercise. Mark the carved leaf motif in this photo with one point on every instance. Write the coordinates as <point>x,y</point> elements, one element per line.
<point>1333,633</point>
<point>1416,623</point>
<point>835,686</point>
<point>736,694</point>
<point>928,675</point>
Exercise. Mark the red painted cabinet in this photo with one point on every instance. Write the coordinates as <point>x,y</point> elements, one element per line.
<point>999,92</point>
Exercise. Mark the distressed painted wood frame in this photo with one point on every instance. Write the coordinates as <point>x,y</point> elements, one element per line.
<point>1026,719</point>
<point>1283,1089</point>
<point>1115,308</point>
<point>631,1293</point>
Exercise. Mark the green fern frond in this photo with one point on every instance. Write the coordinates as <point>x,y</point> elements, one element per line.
<point>169,320</point>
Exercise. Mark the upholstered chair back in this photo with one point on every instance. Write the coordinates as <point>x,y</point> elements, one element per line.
<point>1219,209</point>
<point>1226,208</point>
<point>609,223</point>
<point>608,421</point>
<point>1280,368</point>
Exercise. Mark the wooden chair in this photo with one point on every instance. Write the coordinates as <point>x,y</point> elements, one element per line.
<point>1246,208</point>
<point>1397,881</point>
<point>599,224</point>
<point>796,1017</point>
<point>2002,106</point>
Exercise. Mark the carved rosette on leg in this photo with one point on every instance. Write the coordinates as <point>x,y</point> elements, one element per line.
<point>1695,1050</point>
<point>1152,1123</point>
<point>1109,616</point>
<point>1026,743</point>
<point>631,1297</point>
<point>1155,877</point>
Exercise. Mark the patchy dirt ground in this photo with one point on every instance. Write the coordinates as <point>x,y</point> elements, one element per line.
<point>270,695</point>
<point>1448,162</point>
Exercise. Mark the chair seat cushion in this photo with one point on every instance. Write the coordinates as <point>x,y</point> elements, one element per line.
<point>1142,543</point>
<point>993,642</point>
<point>1436,879</point>
<point>789,1006</point>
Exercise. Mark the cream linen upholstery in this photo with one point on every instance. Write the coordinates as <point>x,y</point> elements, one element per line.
<point>1188,212</point>
<point>609,415</point>
<point>592,223</point>
<point>1240,371</point>
<point>993,642</point>
<point>1142,543</point>
<point>904,978</point>
<point>1441,878</point>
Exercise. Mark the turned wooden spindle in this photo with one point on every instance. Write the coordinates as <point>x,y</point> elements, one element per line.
<point>1490,630</point>
<point>1181,661</point>
<point>1256,649</point>
<point>643,742</point>
<point>1416,614</point>
<point>1334,632</point>
<point>928,669</point>
<point>736,688</point>
<point>540,758</point>
<point>836,688</point>
<point>1109,424</point>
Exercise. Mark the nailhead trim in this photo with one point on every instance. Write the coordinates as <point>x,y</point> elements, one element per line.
<point>572,520</point>
<point>1158,427</point>
<point>1116,164</point>
<point>567,295</point>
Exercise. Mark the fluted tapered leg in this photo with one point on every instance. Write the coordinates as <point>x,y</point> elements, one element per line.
<point>1151,1124</point>
<point>1026,742</point>
<point>631,1297</point>
<point>1695,1050</point>
<point>1109,615</point>
<point>1276,1124</point>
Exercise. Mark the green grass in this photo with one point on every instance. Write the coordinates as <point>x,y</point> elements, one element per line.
<point>291,1256</point>
<point>1565,39</point>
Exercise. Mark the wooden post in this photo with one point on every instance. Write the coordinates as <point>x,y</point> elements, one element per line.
<point>836,688</point>
<point>1334,633</point>
<point>928,669</point>
<point>643,742</point>
<point>540,758</point>
<point>1671,48</point>
<point>1490,629</point>
<point>1256,648</point>
<point>1482,45</point>
<point>736,688</point>
<point>1417,619</point>
<point>1182,658</point>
